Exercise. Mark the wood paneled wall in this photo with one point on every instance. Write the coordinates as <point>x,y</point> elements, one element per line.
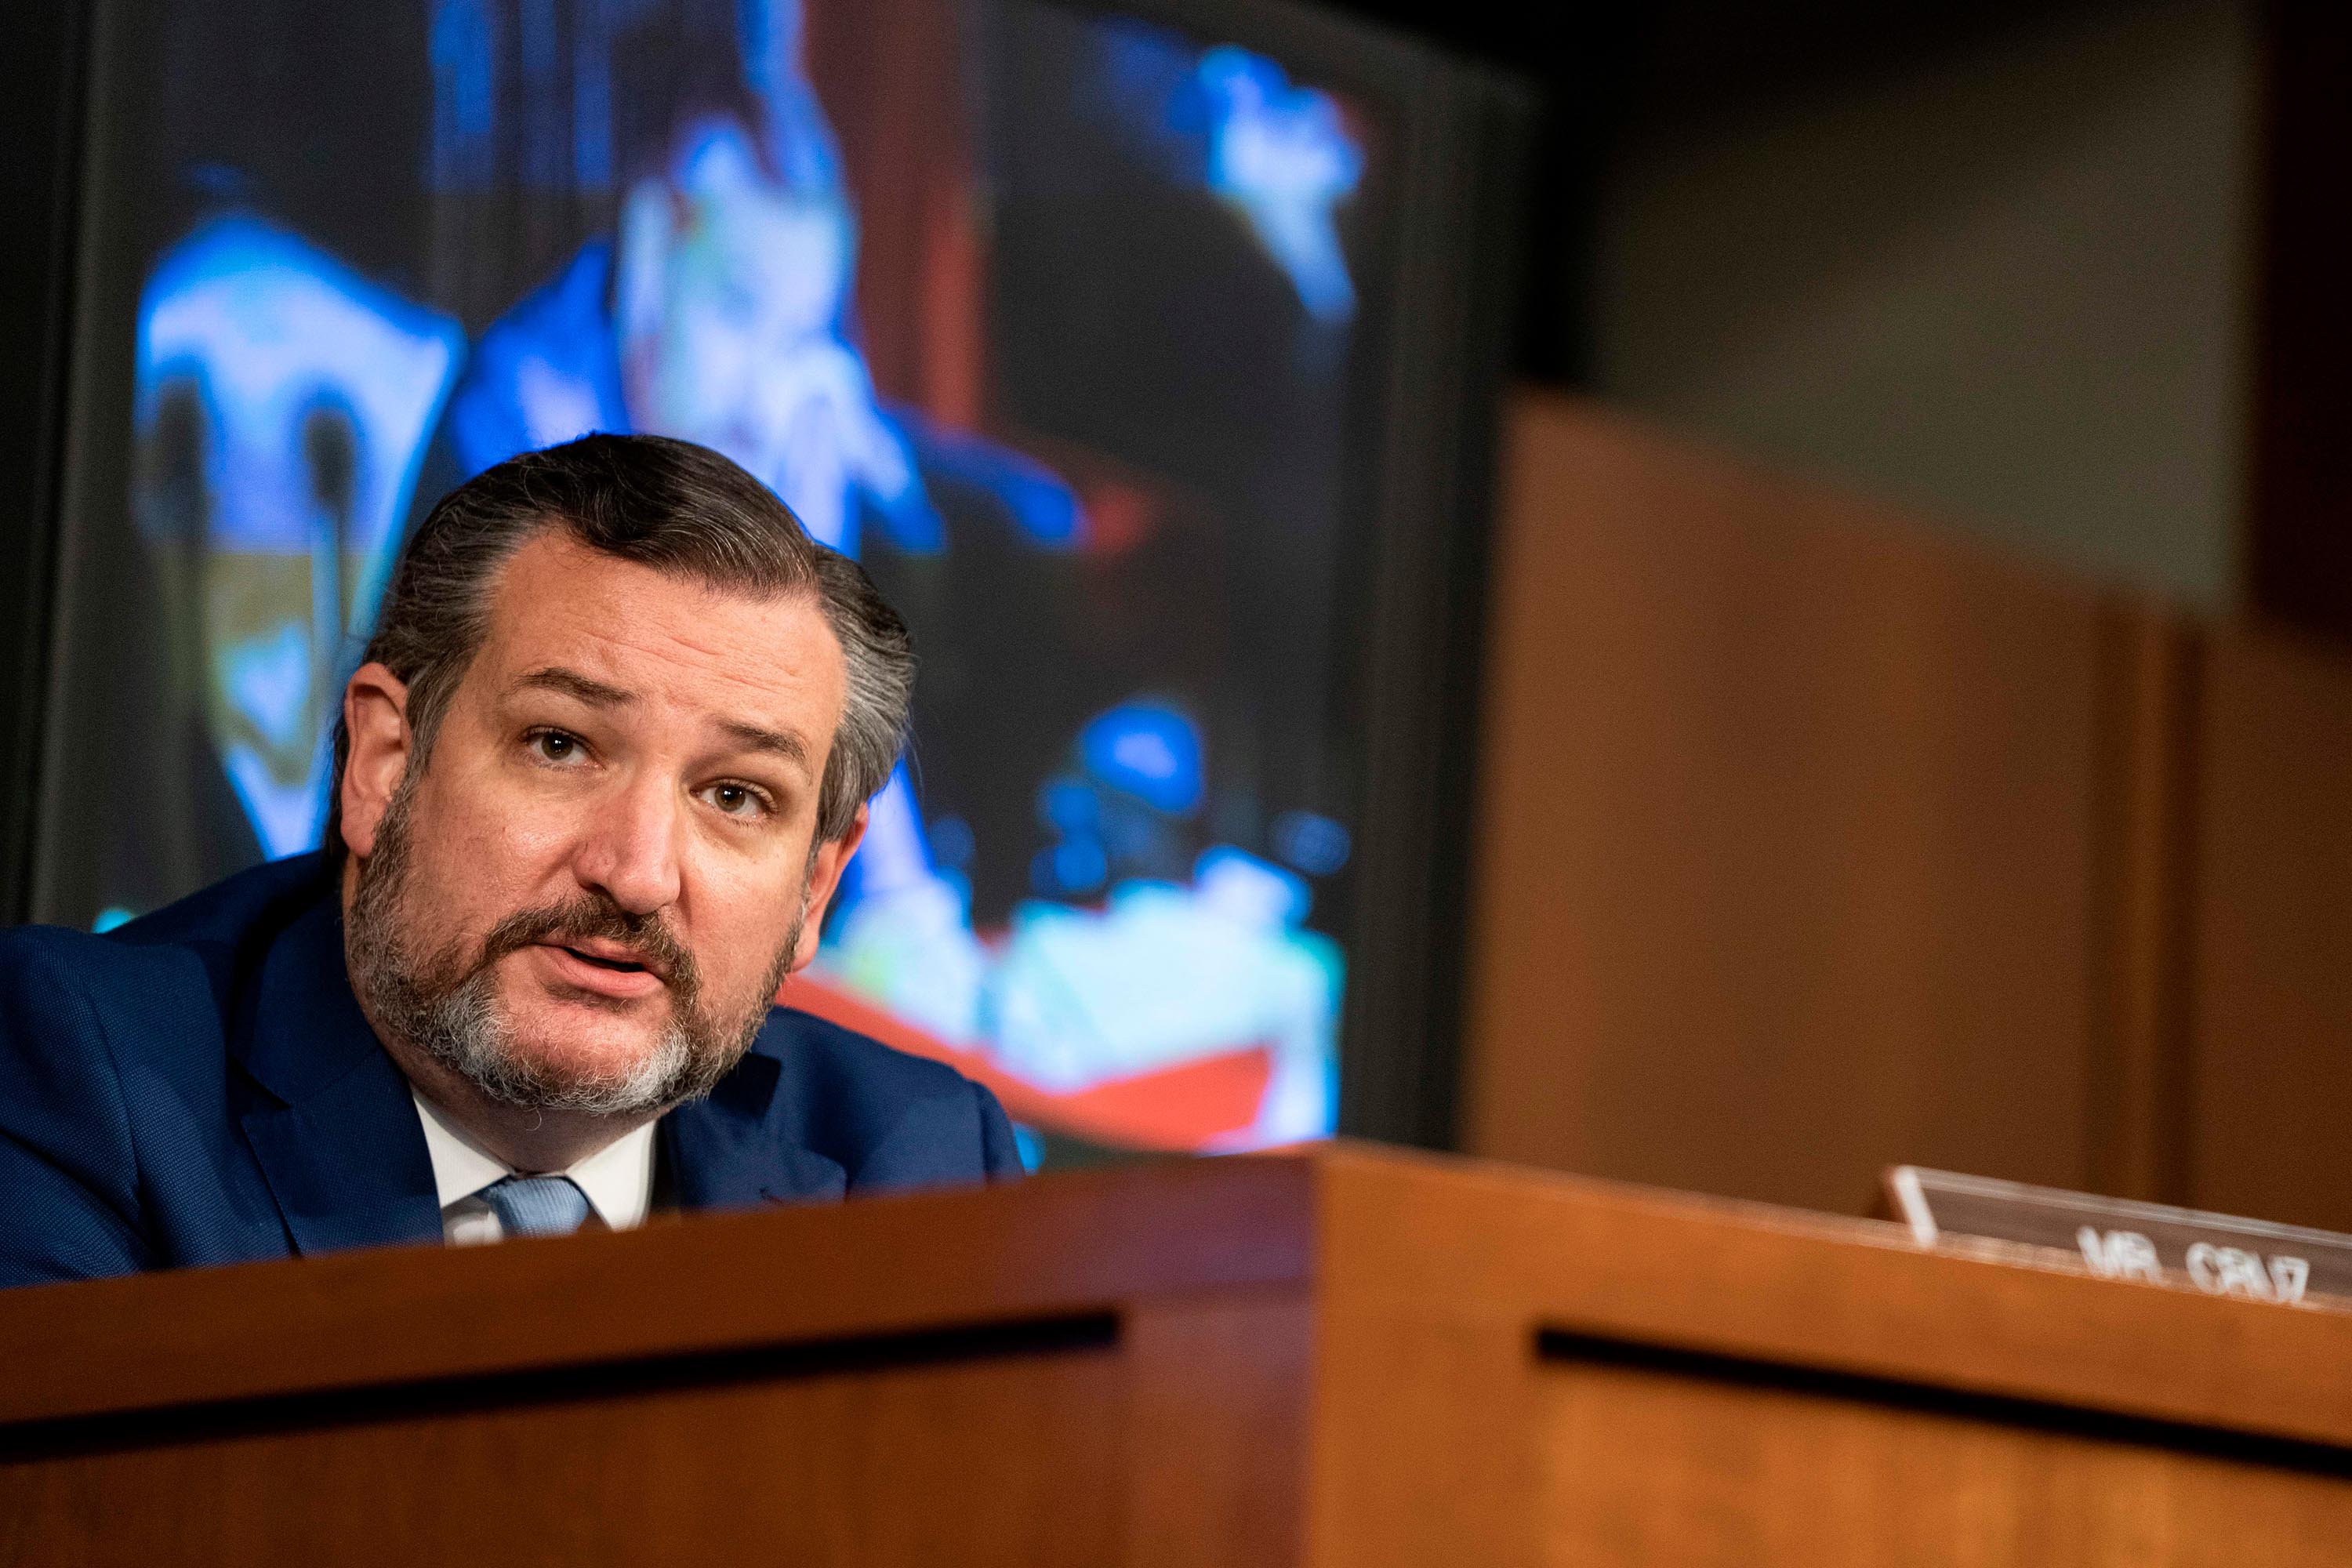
<point>1787,845</point>
<point>1812,841</point>
<point>2267,1108</point>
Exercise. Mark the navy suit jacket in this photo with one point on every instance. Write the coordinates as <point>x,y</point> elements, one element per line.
<point>200,1086</point>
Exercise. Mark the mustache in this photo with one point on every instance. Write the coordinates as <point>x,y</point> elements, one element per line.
<point>596,917</point>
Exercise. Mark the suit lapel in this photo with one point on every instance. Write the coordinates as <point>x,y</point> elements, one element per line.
<point>341,1149</point>
<point>736,1150</point>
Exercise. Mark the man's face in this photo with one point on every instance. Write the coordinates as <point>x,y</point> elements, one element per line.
<point>604,867</point>
<point>725,281</point>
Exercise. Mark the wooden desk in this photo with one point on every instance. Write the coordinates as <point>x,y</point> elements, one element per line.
<point>1350,1357</point>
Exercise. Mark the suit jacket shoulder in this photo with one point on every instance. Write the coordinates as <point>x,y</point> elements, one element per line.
<point>888,1117</point>
<point>68,1203</point>
<point>119,1149</point>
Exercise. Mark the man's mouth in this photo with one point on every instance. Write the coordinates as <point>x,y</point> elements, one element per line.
<point>607,968</point>
<point>623,965</point>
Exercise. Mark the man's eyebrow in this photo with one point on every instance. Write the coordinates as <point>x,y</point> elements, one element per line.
<point>758,738</point>
<point>571,683</point>
<point>750,737</point>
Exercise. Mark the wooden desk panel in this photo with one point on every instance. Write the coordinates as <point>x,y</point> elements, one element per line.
<point>1349,1358</point>
<point>1642,1467</point>
<point>1422,1238</point>
<point>785,1276</point>
<point>988,1459</point>
<point>1520,1369</point>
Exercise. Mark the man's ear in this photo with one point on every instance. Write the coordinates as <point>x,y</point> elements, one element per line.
<point>375,716</point>
<point>824,878</point>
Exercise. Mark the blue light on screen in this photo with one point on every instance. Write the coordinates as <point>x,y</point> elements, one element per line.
<point>302,393</point>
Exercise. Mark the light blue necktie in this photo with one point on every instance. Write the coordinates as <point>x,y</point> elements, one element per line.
<point>537,1205</point>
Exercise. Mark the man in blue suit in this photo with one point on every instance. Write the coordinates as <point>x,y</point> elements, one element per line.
<point>595,783</point>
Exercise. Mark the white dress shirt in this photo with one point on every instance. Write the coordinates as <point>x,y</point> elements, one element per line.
<point>617,1178</point>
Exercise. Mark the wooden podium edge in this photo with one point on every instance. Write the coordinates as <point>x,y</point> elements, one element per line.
<point>1538,1263</point>
<point>1061,1250</point>
<point>1568,1259</point>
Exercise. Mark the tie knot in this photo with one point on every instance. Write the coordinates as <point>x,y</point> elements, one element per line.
<point>537,1205</point>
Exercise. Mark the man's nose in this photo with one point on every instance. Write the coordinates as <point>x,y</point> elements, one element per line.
<point>631,846</point>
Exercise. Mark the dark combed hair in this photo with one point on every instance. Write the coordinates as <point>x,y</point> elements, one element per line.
<point>676,508</point>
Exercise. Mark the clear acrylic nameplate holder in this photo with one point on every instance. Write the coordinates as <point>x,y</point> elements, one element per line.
<point>2117,1238</point>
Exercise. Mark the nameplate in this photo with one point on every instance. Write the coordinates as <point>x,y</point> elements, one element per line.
<point>2117,1238</point>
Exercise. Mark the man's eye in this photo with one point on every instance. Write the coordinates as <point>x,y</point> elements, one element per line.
<point>554,746</point>
<point>737,800</point>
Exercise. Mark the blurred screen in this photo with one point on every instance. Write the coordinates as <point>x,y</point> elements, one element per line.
<point>1058,320</point>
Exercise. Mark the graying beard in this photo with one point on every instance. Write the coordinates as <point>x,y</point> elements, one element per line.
<point>462,1031</point>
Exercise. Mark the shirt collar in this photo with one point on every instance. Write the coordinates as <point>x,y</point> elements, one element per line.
<point>617,1178</point>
